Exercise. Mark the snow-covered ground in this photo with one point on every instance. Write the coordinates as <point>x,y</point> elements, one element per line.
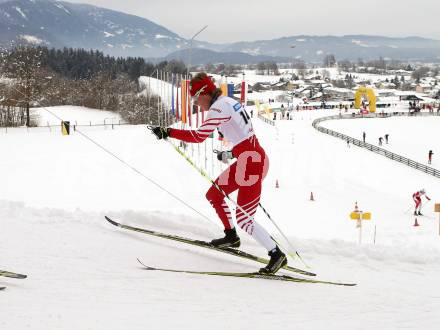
<point>83,272</point>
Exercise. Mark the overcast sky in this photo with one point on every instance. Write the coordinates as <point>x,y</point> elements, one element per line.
<point>246,20</point>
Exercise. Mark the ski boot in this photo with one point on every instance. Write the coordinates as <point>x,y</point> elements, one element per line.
<point>277,260</point>
<point>231,240</point>
<point>415,212</point>
<point>420,213</point>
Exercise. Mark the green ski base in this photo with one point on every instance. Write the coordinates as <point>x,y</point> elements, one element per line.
<point>5,273</point>
<point>284,278</point>
<point>207,245</point>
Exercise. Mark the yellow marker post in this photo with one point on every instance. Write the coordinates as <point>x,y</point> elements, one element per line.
<point>359,216</point>
<point>437,209</point>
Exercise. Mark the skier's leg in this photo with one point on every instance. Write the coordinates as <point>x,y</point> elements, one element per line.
<point>251,168</point>
<point>248,199</point>
<point>217,199</point>
<point>418,205</point>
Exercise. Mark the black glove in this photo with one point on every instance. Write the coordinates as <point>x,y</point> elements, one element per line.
<point>161,132</point>
<point>223,156</point>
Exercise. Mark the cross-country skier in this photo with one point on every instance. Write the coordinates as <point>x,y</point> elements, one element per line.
<point>417,197</point>
<point>245,175</point>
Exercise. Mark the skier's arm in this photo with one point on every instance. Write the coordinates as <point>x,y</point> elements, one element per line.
<point>200,134</point>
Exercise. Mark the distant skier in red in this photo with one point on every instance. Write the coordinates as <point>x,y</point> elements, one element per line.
<point>417,197</point>
<point>245,175</point>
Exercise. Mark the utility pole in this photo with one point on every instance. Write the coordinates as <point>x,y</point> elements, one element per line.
<point>292,46</point>
<point>190,48</point>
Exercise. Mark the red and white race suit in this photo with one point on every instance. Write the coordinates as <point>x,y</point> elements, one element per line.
<point>418,200</point>
<point>245,175</point>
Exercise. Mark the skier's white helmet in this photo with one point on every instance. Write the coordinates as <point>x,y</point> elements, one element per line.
<point>422,191</point>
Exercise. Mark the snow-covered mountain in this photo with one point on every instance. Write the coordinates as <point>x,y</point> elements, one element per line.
<point>62,24</point>
<point>314,48</point>
<point>204,56</point>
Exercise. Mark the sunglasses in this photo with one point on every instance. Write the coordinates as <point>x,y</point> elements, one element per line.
<point>197,94</point>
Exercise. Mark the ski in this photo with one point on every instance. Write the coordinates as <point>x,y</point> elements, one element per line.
<point>285,278</point>
<point>207,245</point>
<point>5,273</point>
<point>2,288</point>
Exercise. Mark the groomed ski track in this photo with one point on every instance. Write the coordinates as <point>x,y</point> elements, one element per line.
<point>83,273</point>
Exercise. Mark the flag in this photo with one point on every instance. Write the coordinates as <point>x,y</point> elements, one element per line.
<point>230,90</point>
<point>183,92</point>
<point>224,88</point>
<point>188,104</point>
<point>172,94</point>
<point>177,101</point>
<point>243,93</point>
<point>197,115</point>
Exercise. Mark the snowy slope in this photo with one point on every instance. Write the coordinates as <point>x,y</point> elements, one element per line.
<point>83,272</point>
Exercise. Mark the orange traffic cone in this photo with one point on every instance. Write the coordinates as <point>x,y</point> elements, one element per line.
<point>311,196</point>
<point>276,184</point>
<point>416,224</point>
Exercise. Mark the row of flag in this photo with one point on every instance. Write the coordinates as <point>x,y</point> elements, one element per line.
<point>182,107</point>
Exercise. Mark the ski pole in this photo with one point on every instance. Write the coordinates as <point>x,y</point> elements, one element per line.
<point>409,208</point>
<point>128,165</point>
<point>123,162</point>
<point>206,176</point>
<point>423,204</point>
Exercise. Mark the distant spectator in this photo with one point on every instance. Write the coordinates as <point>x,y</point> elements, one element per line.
<point>363,136</point>
<point>386,138</point>
<point>430,153</point>
<point>380,141</point>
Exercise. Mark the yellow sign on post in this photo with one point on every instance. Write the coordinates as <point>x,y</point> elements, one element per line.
<point>359,216</point>
<point>65,127</point>
<point>437,209</point>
